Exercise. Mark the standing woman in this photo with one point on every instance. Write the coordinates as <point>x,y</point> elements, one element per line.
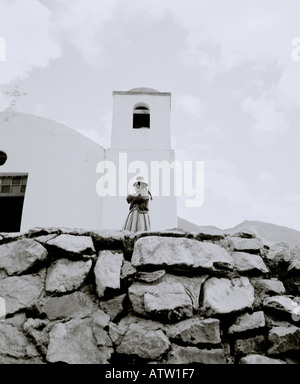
<point>138,218</point>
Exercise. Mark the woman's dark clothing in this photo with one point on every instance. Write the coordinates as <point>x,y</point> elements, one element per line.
<point>138,218</point>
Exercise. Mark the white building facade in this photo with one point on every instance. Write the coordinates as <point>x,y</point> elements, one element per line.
<point>49,173</point>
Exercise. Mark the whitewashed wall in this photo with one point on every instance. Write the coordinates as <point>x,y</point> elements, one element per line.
<point>61,163</point>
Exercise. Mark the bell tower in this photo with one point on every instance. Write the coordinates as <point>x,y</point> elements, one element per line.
<point>141,145</point>
<point>141,119</point>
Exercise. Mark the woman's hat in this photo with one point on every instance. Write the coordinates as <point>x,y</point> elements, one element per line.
<point>140,180</point>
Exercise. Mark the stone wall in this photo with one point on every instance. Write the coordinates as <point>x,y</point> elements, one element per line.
<point>171,297</point>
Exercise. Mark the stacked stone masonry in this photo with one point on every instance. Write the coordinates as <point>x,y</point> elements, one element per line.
<point>74,296</point>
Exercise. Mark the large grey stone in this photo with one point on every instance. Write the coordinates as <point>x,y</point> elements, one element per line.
<point>144,343</point>
<point>110,239</point>
<point>195,331</point>
<point>21,292</point>
<point>179,253</point>
<point>259,359</point>
<point>74,342</point>
<point>118,331</point>
<point>246,262</point>
<point>108,271</point>
<point>265,287</point>
<point>194,355</point>
<point>245,245</point>
<point>280,303</point>
<point>66,275</point>
<point>222,295</point>
<point>73,305</point>
<point>18,256</point>
<point>278,253</point>
<point>172,297</point>
<point>73,245</point>
<point>284,339</point>
<point>248,322</point>
<point>13,343</point>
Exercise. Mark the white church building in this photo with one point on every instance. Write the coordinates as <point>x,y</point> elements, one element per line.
<point>52,176</point>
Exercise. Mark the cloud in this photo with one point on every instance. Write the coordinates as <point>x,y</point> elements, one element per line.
<point>288,89</point>
<point>190,104</point>
<point>80,22</point>
<point>225,35</point>
<point>100,131</point>
<point>222,179</point>
<point>265,177</point>
<point>30,42</point>
<point>292,198</point>
<point>269,122</point>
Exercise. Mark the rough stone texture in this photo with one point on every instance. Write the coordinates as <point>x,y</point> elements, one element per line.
<point>18,256</point>
<point>278,253</point>
<point>208,234</point>
<point>245,245</point>
<point>259,359</point>
<point>108,271</point>
<point>280,303</point>
<point>113,307</point>
<point>224,295</point>
<point>196,331</point>
<point>37,330</point>
<point>250,345</point>
<point>265,288</point>
<point>128,270</point>
<point>246,262</point>
<point>65,275</point>
<point>118,331</point>
<point>172,297</point>
<point>248,322</point>
<point>76,304</point>
<point>110,239</point>
<point>44,238</point>
<point>13,343</point>
<point>192,355</point>
<point>268,286</point>
<point>143,343</point>
<point>17,320</point>
<point>71,244</point>
<point>294,266</point>
<point>180,253</point>
<point>183,301</point>
<point>284,339</point>
<point>150,277</point>
<point>21,292</point>
<point>74,343</point>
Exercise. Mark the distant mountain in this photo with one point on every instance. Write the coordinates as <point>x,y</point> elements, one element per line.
<point>268,232</point>
<point>187,226</point>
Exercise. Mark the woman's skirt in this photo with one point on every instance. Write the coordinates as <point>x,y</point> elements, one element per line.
<point>137,221</point>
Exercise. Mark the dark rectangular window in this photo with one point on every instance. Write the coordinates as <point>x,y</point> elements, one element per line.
<point>12,192</point>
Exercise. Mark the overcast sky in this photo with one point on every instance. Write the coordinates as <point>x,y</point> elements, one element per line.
<point>229,65</point>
